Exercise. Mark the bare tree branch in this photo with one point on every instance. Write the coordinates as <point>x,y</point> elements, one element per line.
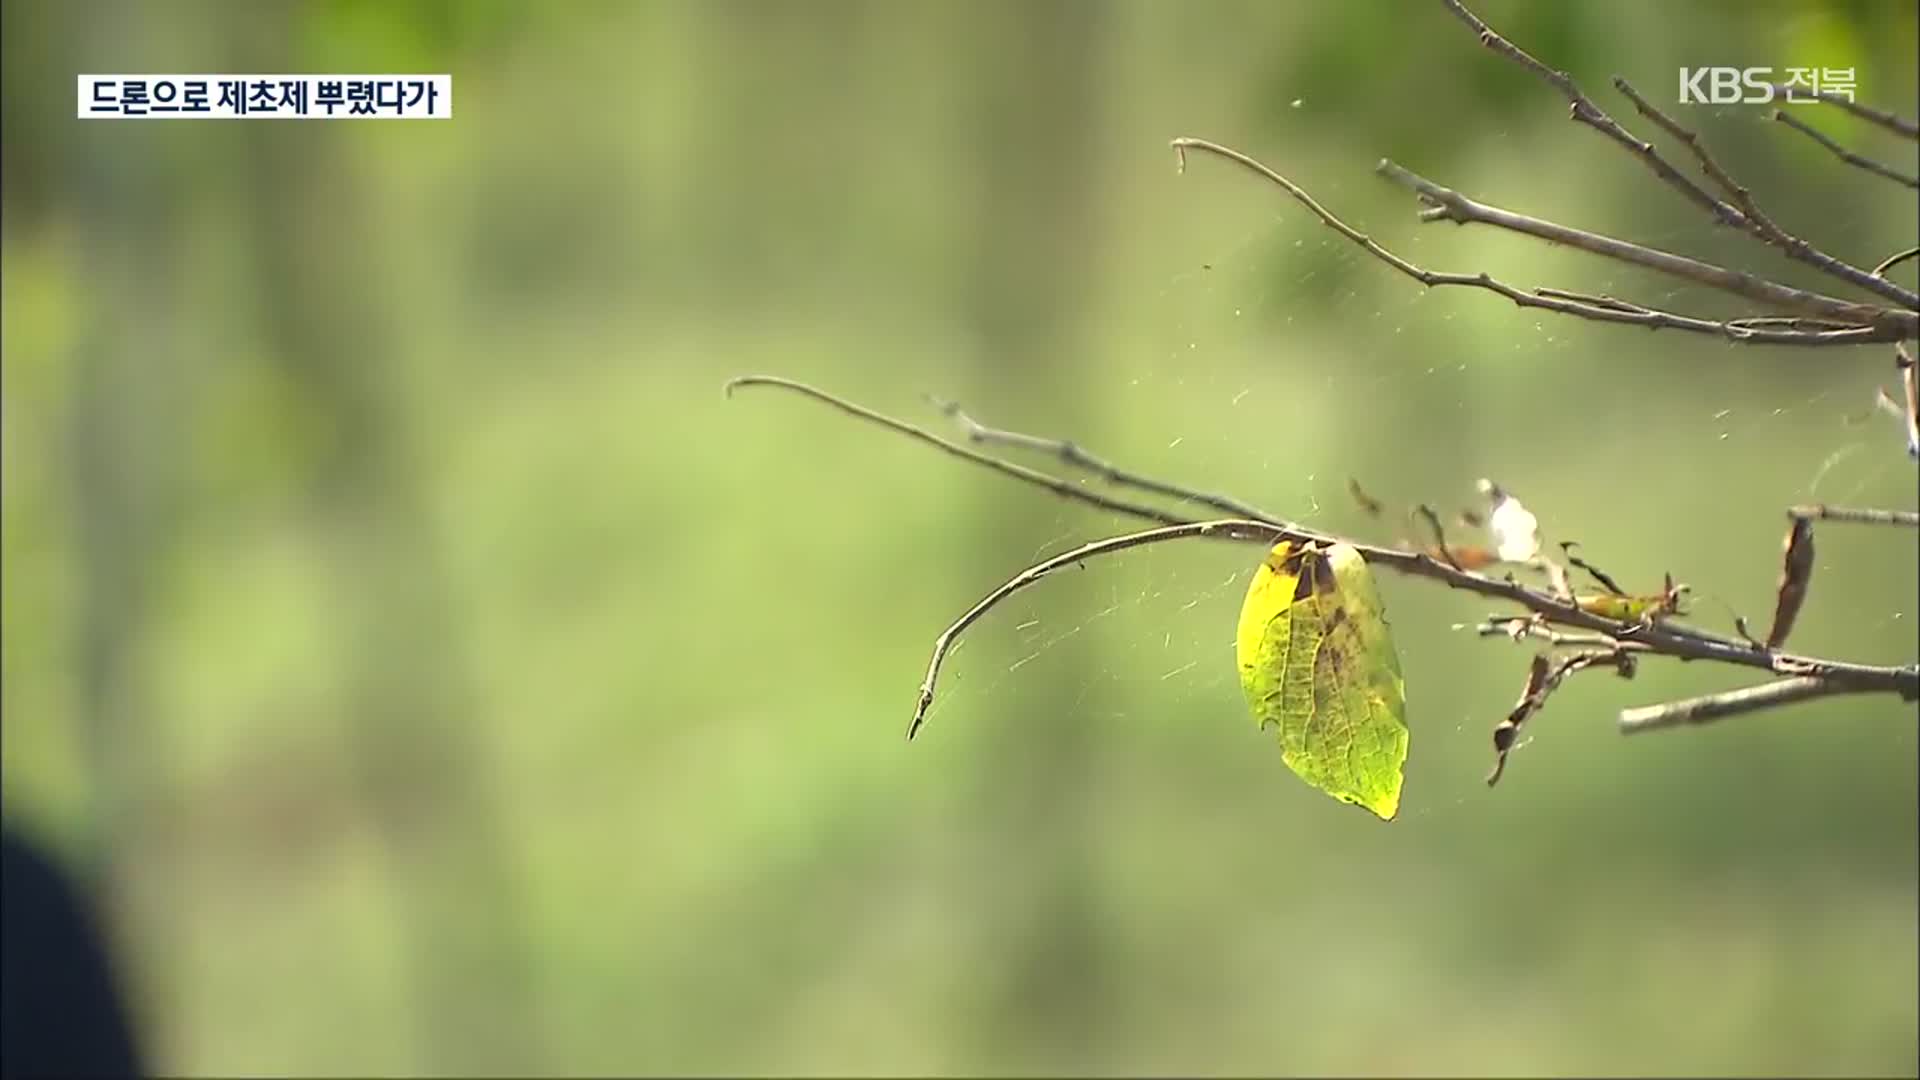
<point>1746,216</point>
<point>1757,223</point>
<point>1018,472</point>
<point>1446,204</point>
<point>1844,154</point>
<point>1708,165</point>
<point>1792,322</point>
<point>1856,514</point>
<point>1072,454</point>
<point>1701,710</point>
<point>1592,115</point>
<point>1895,124</point>
<point>1664,637</point>
<point>1584,110</point>
<point>1608,629</point>
<point>1600,309</point>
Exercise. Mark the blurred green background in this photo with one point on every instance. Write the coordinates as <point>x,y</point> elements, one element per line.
<point>434,673</point>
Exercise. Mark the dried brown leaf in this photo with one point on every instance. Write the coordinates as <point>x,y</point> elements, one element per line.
<point>1543,678</point>
<point>1796,569</point>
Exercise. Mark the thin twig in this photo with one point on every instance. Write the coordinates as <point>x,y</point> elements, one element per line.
<point>1908,414</point>
<point>1793,322</point>
<point>1896,124</point>
<point>1745,217</point>
<point>1237,530</point>
<point>1446,204</point>
<point>1369,505</point>
<point>1856,160</point>
<point>1741,196</point>
<point>1894,260</point>
<point>1701,710</point>
<point>1605,579</point>
<point>1758,223</point>
<point>1617,304</point>
<point>1859,515</point>
<point>1517,627</point>
<point>1074,455</point>
<point>1818,320</point>
<point>1439,535</point>
<point>1665,637</point>
<point>1587,112</point>
<point>1018,472</point>
<point>1592,115</point>
<point>1605,310</point>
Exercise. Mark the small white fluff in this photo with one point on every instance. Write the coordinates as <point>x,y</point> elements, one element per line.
<point>1516,532</point>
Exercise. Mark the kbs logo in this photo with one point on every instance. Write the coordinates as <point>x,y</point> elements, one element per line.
<point>1757,86</point>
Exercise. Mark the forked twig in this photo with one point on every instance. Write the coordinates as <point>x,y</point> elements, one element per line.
<point>1585,111</point>
<point>1592,115</point>
<point>1446,204</point>
<point>1758,223</point>
<point>1878,325</point>
<point>1741,196</point>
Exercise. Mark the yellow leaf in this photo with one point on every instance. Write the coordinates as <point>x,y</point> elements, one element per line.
<point>1317,662</point>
